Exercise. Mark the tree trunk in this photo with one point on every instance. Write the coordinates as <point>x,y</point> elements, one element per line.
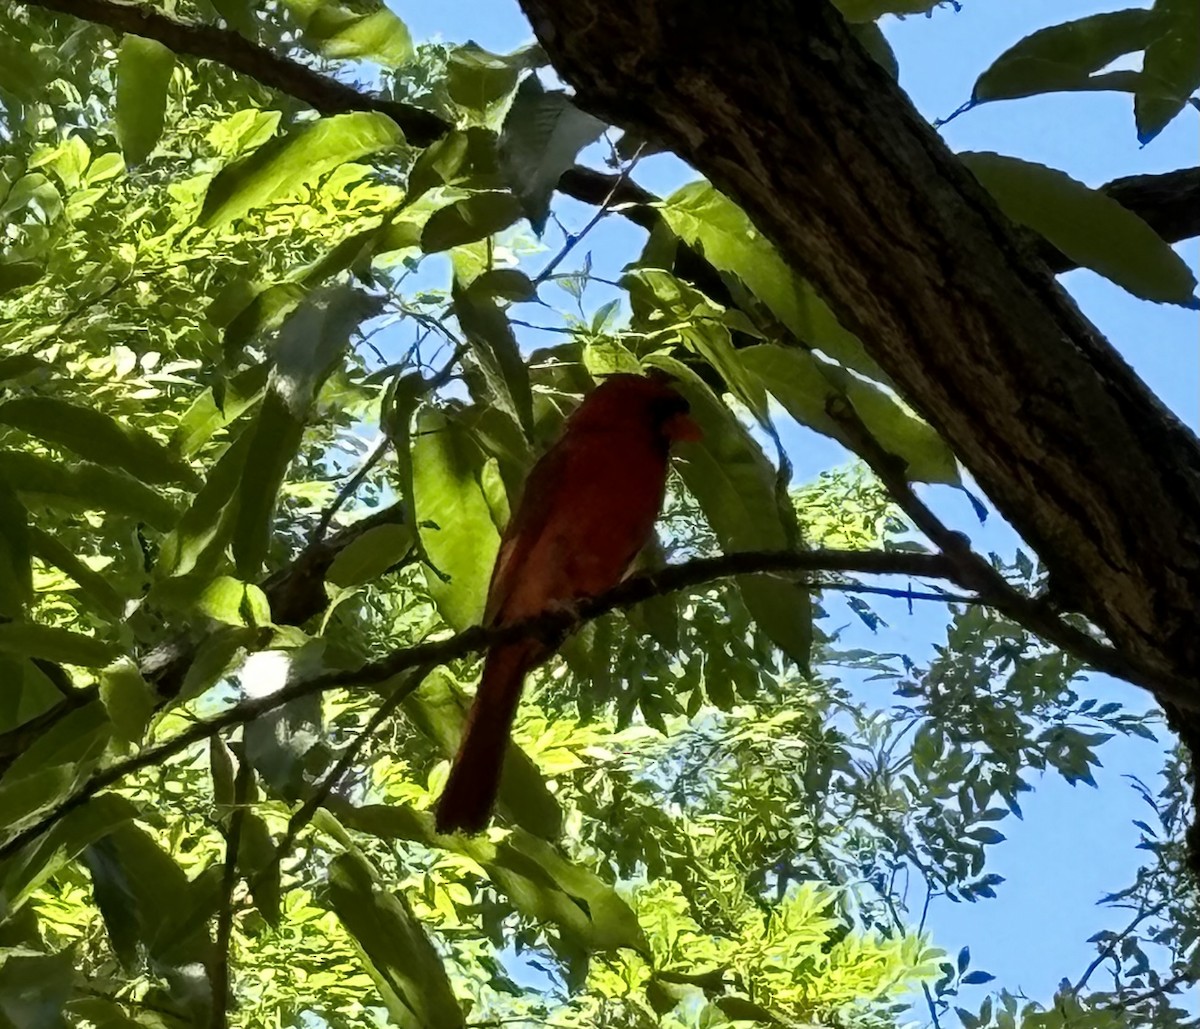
<point>778,105</point>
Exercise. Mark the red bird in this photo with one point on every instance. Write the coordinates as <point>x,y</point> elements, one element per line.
<point>588,508</point>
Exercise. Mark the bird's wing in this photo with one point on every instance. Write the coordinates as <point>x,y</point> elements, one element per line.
<point>544,492</point>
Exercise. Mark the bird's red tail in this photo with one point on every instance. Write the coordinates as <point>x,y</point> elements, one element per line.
<point>466,802</point>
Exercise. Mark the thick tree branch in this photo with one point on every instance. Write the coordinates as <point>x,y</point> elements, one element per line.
<point>552,627</point>
<point>785,112</point>
<point>1170,202</point>
<point>227,47</point>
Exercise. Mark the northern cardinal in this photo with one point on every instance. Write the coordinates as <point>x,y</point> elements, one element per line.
<point>587,509</point>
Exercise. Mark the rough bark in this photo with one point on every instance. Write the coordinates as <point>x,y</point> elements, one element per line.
<point>778,105</point>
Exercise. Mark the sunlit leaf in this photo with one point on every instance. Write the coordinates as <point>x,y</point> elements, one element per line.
<point>399,956</point>
<point>284,165</point>
<point>455,523</point>
<point>96,436</point>
<point>1086,225</point>
<point>723,233</point>
<point>364,30</point>
<point>144,68</point>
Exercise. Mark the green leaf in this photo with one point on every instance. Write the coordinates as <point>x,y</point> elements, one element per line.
<point>311,344</point>
<point>19,365</point>
<point>1064,57</point>
<point>18,274</point>
<point>439,710</point>
<point>34,990</point>
<point>540,883</point>
<point>85,486</point>
<point>144,68</point>
<point>128,698</point>
<point>16,571</point>
<point>275,442</point>
<point>281,167</point>
<point>97,437</point>
<point>507,284</point>
<point>54,644</point>
<point>494,348</point>
<point>394,948</point>
<point>256,859</point>
<point>542,135</point>
<point>743,1009</point>
<point>206,524</point>
<point>722,232</point>
<point>24,873</point>
<point>454,520</point>
<point>280,745</point>
<point>476,217</point>
<point>206,417</point>
<point>1088,226</point>
<point>1170,69</point>
<point>77,739</point>
<point>94,586</point>
<point>23,796</point>
<point>700,324</point>
<point>368,556</point>
<point>476,78</point>
<point>365,31</point>
<point>876,44</point>
<point>804,385</point>
<point>219,651</point>
<point>735,485</point>
<point>146,899</point>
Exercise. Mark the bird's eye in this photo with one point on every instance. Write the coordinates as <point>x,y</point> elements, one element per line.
<point>664,408</point>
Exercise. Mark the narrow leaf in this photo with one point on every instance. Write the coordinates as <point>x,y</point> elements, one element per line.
<point>455,523</point>
<point>97,437</point>
<point>1064,57</point>
<point>399,956</point>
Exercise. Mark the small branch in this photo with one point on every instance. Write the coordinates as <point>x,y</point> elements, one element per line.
<point>972,572</point>
<point>227,47</point>
<point>351,486</point>
<point>303,814</point>
<point>552,627</point>
<point>1115,942</point>
<point>573,240</point>
<point>555,624</point>
<point>219,973</point>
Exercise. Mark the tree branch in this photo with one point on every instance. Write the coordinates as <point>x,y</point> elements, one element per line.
<point>1169,203</point>
<point>551,627</point>
<point>974,573</point>
<point>296,593</point>
<point>218,973</point>
<point>227,47</point>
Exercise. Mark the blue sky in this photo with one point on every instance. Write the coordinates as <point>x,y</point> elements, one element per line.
<point>1075,843</point>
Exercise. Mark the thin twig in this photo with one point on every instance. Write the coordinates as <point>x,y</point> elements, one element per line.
<point>551,626</point>
<point>303,814</point>
<point>972,572</point>
<point>351,486</point>
<point>219,972</point>
<point>573,240</point>
<point>1109,948</point>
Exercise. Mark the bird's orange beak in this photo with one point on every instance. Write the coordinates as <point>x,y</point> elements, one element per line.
<point>681,428</point>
